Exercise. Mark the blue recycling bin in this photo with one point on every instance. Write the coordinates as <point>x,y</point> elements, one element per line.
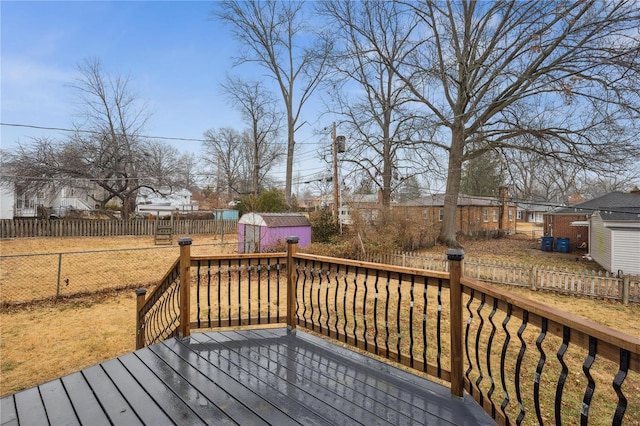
<point>547,244</point>
<point>562,245</point>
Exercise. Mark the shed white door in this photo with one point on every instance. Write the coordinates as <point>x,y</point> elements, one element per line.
<point>252,239</point>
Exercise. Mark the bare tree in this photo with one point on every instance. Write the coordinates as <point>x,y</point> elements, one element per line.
<point>226,155</point>
<point>275,36</point>
<point>565,73</point>
<point>374,103</point>
<point>258,109</point>
<point>107,149</point>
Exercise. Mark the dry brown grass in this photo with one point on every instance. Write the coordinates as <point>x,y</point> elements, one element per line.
<point>42,342</point>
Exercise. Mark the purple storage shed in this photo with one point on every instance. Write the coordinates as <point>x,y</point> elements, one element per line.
<point>261,232</point>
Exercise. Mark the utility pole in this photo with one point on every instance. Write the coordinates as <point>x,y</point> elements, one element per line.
<point>336,194</point>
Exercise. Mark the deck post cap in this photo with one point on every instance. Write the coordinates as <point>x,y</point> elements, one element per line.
<point>141,291</point>
<point>293,240</point>
<point>455,254</point>
<point>185,241</point>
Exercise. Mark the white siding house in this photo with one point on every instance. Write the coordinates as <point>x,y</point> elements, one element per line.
<point>615,244</point>
<point>7,201</point>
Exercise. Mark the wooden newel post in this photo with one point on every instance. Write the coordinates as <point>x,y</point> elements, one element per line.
<point>455,258</point>
<point>184,329</point>
<point>140,299</point>
<point>292,246</point>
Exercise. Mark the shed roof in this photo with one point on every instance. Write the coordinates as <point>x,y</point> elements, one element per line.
<point>275,220</point>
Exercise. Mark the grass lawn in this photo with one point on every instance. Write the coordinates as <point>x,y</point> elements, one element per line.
<point>44,341</point>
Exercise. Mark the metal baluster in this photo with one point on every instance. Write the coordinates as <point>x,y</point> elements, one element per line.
<point>591,386</point>
<point>326,299</point>
<point>269,290</point>
<point>413,281</point>
<point>566,335</point>
<point>505,401</point>
<point>344,302</point>
<point>467,373</point>
<point>209,293</point>
<point>478,335</point>
<point>375,312</point>
<point>424,323</point>
<point>259,271</point>
<point>541,362</point>
<point>304,297</point>
<point>523,348</point>
<point>617,386</point>
<point>249,288</point>
<point>335,299</point>
<point>239,281</point>
<point>386,315</point>
<point>198,293</point>
<point>353,308</point>
<point>398,320</point>
<point>229,289</point>
<point>364,309</point>
<point>438,327</point>
<point>319,272</point>
<point>492,387</point>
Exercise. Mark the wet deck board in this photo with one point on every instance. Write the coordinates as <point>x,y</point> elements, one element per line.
<point>255,377</point>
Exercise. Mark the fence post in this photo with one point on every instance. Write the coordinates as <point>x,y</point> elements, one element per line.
<point>184,329</point>
<point>455,258</point>
<point>292,247</point>
<point>59,275</point>
<point>626,286</point>
<point>140,299</point>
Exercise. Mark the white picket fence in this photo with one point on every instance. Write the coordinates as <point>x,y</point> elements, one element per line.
<point>595,284</point>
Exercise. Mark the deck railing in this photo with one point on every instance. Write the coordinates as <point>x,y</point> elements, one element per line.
<point>521,361</point>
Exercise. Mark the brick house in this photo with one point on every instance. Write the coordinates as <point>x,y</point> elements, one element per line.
<point>573,222</point>
<point>475,215</point>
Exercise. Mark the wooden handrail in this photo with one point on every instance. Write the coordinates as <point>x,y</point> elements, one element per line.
<point>321,273</point>
<point>614,338</point>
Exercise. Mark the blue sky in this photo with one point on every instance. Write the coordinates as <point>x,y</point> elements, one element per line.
<point>173,53</point>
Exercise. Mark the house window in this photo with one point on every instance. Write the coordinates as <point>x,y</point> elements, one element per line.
<point>495,215</point>
<point>425,213</point>
<point>485,215</point>
<point>519,215</point>
<point>510,215</point>
<point>441,215</point>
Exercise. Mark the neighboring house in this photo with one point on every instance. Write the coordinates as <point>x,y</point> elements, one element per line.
<point>151,203</point>
<point>7,200</point>
<point>262,232</point>
<point>55,199</point>
<point>532,212</point>
<point>573,222</point>
<point>367,205</point>
<point>475,214</point>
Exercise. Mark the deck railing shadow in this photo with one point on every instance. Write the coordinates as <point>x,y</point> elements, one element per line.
<point>523,362</point>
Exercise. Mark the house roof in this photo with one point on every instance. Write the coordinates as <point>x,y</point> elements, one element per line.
<point>437,200</point>
<point>275,220</point>
<point>618,206</point>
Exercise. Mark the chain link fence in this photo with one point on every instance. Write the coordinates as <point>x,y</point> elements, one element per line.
<point>28,278</point>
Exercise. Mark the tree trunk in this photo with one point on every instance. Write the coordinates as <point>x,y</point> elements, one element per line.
<point>454,176</point>
<point>290,151</point>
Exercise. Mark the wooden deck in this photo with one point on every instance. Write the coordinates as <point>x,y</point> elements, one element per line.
<point>248,377</point>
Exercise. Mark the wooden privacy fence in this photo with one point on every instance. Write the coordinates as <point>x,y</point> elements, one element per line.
<point>601,285</point>
<point>29,228</point>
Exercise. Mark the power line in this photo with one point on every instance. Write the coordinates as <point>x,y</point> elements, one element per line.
<point>94,132</point>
